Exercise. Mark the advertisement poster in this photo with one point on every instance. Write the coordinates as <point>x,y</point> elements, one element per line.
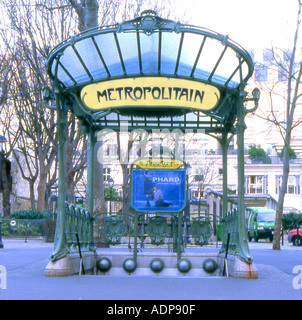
<point>158,190</point>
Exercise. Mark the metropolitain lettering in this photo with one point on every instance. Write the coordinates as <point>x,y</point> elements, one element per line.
<point>146,93</point>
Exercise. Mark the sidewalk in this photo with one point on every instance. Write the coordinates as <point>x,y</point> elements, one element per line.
<point>25,263</point>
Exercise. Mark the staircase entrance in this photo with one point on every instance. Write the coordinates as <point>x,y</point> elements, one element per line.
<point>151,74</point>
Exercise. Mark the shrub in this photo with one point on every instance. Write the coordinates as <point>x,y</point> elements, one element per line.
<point>115,194</point>
<point>30,214</point>
<point>291,220</point>
<point>256,153</point>
<point>4,229</point>
<point>291,152</point>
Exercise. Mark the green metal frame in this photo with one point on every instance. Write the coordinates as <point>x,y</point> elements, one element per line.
<point>227,118</point>
<point>212,121</point>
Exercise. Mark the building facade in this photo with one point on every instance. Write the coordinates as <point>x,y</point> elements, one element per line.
<point>203,153</point>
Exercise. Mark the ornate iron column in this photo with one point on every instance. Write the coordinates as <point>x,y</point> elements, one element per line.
<point>224,142</point>
<point>60,245</point>
<point>243,248</point>
<point>92,142</point>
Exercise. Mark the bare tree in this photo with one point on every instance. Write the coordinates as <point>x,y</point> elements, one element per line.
<point>30,32</point>
<point>5,164</point>
<point>33,128</point>
<point>108,13</point>
<point>75,157</point>
<point>288,65</point>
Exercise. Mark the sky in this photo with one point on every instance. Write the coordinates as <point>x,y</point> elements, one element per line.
<point>251,23</point>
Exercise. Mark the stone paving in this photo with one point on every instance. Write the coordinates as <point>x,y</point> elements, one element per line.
<point>25,264</point>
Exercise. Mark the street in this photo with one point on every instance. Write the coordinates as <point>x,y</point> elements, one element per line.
<point>25,263</point>
<point>284,260</point>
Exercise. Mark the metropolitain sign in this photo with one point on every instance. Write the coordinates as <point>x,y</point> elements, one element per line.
<point>150,92</point>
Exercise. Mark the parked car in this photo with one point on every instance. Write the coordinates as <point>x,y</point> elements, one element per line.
<point>261,223</point>
<point>294,237</point>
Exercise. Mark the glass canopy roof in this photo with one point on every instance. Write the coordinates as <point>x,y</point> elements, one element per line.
<point>151,46</point>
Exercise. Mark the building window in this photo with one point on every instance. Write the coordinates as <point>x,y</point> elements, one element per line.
<point>256,185</point>
<point>282,74</point>
<point>260,73</point>
<point>268,55</point>
<point>197,194</point>
<point>106,173</point>
<point>293,185</point>
<point>287,55</point>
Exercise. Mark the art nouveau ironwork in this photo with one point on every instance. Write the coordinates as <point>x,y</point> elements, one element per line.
<point>151,73</point>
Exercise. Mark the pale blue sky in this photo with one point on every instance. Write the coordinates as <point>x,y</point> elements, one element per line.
<point>251,23</point>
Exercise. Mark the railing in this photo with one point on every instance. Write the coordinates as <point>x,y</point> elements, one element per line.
<point>230,234</point>
<point>25,229</point>
<point>78,228</point>
<point>139,231</point>
<point>270,160</point>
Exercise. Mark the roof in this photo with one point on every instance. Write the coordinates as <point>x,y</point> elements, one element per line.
<point>261,209</point>
<point>153,47</point>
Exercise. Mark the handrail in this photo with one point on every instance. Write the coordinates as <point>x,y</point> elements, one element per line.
<point>231,237</point>
<point>77,223</point>
<point>119,224</point>
<point>230,229</point>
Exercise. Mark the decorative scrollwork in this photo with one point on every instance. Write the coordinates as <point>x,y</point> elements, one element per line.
<point>148,22</point>
<point>158,229</point>
<point>114,229</point>
<point>201,230</point>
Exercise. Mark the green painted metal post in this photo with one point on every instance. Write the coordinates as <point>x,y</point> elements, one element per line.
<point>60,242</point>
<point>135,237</point>
<point>224,146</point>
<point>92,142</point>
<point>243,248</point>
<point>179,236</point>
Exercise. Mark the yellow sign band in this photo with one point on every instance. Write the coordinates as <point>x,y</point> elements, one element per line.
<point>150,92</point>
<point>159,163</point>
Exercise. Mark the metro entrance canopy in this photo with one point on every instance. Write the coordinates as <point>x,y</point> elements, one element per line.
<point>152,73</point>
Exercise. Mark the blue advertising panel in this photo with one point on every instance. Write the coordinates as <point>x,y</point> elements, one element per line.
<point>158,190</point>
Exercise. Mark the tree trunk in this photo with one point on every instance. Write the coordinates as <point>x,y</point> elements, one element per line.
<point>32,195</point>
<point>279,211</point>
<point>5,169</point>
<point>41,191</point>
<point>99,199</point>
<point>69,177</point>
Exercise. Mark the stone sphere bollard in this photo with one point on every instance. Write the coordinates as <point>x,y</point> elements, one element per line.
<point>157,265</point>
<point>209,265</point>
<point>129,265</point>
<point>104,264</point>
<point>184,265</point>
